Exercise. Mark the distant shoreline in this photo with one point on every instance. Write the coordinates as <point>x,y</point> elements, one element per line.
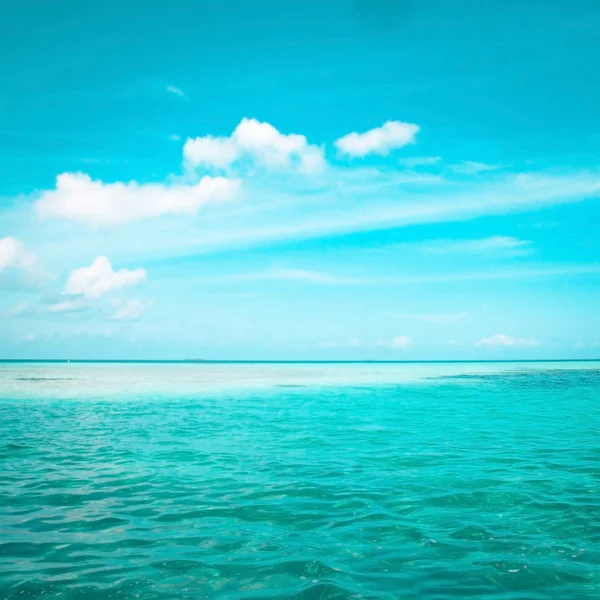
<point>284,362</point>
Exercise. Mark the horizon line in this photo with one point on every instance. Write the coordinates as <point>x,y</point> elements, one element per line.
<point>284,361</point>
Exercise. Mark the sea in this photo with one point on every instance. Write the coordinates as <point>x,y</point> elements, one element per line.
<point>307,481</point>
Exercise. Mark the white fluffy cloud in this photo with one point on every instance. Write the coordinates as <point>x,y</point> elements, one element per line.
<point>499,340</point>
<point>79,198</point>
<point>210,151</point>
<point>14,255</point>
<point>131,310</point>
<point>100,278</point>
<point>258,142</point>
<point>391,135</point>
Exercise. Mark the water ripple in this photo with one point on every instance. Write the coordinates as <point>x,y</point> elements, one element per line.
<point>485,486</point>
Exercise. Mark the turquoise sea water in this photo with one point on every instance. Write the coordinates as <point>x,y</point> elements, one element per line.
<point>426,481</point>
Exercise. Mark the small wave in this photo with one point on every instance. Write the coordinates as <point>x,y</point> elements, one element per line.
<point>44,379</point>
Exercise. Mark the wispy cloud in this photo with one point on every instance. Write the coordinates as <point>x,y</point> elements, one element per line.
<point>285,274</point>
<point>502,340</point>
<point>177,91</point>
<point>65,306</point>
<point>470,167</point>
<point>14,255</point>
<point>399,342</point>
<point>323,278</point>
<point>439,318</point>
<point>589,344</point>
<point>383,210</point>
<point>131,310</point>
<point>497,244</point>
<point>19,309</point>
<point>420,161</point>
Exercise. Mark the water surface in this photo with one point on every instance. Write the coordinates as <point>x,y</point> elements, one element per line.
<point>300,481</point>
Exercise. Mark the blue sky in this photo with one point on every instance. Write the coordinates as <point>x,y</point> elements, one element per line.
<point>350,179</point>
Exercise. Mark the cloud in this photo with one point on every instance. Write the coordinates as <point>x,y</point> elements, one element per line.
<point>304,275</point>
<point>470,167</point>
<point>131,310</point>
<point>401,342</point>
<point>210,152</point>
<point>494,244</point>
<point>323,278</point>
<point>345,199</point>
<point>592,344</point>
<point>79,198</point>
<point>390,136</point>
<point>17,310</point>
<point>360,200</point>
<point>100,278</point>
<point>175,138</point>
<point>177,91</point>
<point>440,318</point>
<point>285,274</point>
<point>420,161</point>
<point>500,340</point>
<point>380,209</point>
<point>65,306</point>
<point>260,143</point>
<point>14,255</point>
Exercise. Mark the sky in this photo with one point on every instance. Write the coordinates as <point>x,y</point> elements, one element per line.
<point>331,180</point>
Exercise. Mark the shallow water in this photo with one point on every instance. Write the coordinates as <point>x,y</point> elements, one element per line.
<point>300,481</point>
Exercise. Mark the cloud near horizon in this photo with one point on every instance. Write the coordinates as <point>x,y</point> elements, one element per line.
<point>502,340</point>
<point>399,342</point>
